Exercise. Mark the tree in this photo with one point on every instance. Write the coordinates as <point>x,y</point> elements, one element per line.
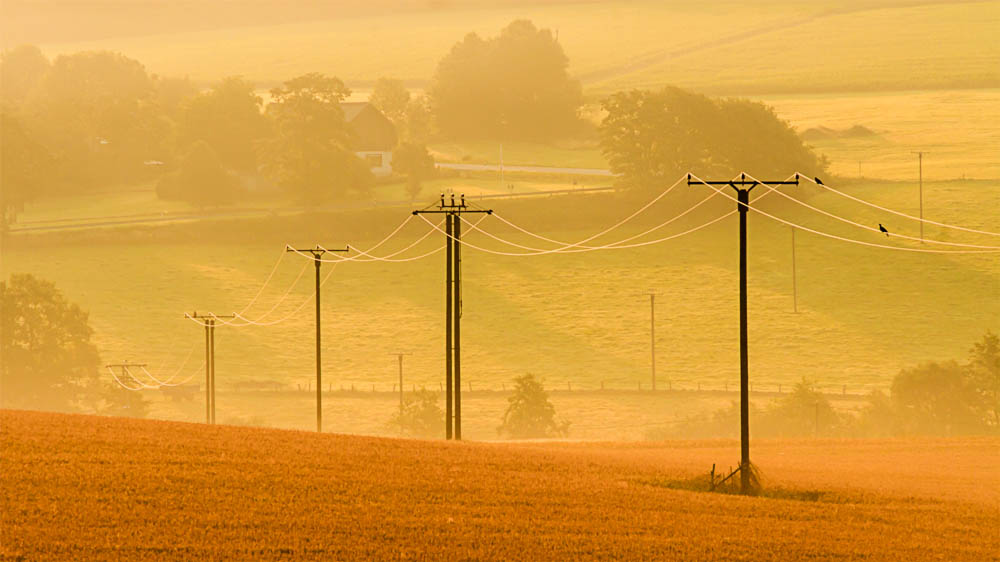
<point>97,110</point>
<point>201,180</point>
<point>650,137</point>
<point>21,71</point>
<point>392,98</point>
<point>228,117</point>
<point>24,168</point>
<point>515,85</point>
<point>529,413</point>
<point>804,411</point>
<point>421,415</point>
<point>49,361</point>
<point>310,155</point>
<point>417,128</point>
<point>414,161</point>
<point>938,398</point>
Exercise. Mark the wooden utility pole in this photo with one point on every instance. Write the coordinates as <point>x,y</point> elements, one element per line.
<point>652,338</point>
<point>317,254</point>
<point>920,164</point>
<point>453,309</point>
<point>743,187</point>
<point>209,323</point>
<point>795,289</point>
<point>400,356</point>
<point>126,374</point>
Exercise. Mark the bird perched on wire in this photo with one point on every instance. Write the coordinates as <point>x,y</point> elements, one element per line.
<point>819,181</point>
<point>882,229</point>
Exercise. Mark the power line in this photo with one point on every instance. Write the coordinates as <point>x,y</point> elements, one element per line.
<point>873,229</point>
<point>900,214</point>
<point>852,240</point>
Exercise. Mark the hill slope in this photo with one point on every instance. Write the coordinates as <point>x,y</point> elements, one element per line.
<point>82,487</point>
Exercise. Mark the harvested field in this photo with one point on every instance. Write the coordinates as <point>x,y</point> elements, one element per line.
<point>84,487</point>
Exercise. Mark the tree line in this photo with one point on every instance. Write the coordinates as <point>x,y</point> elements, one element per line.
<point>100,120</point>
<point>937,398</point>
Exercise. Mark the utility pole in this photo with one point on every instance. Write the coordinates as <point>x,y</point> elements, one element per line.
<point>209,323</point>
<point>652,338</point>
<point>453,309</point>
<point>920,164</point>
<point>317,254</point>
<point>124,365</point>
<point>795,289</point>
<point>743,187</point>
<point>400,356</point>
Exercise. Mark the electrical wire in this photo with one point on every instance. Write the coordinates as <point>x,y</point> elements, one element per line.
<point>842,238</point>
<point>897,213</point>
<point>176,371</point>
<point>866,227</point>
<point>612,245</point>
<point>266,281</point>
<point>120,383</point>
<point>294,312</point>
<point>607,230</point>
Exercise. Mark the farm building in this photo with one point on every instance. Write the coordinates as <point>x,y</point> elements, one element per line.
<point>374,135</point>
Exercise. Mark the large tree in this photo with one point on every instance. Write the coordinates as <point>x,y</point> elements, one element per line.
<point>49,361</point>
<point>201,180</point>
<point>651,137</point>
<point>310,154</point>
<point>21,71</point>
<point>228,117</point>
<point>391,97</point>
<point>515,85</point>
<point>24,168</point>
<point>97,111</point>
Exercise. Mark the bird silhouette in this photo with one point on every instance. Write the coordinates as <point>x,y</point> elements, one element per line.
<point>882,229</point>
<point>819,181</point>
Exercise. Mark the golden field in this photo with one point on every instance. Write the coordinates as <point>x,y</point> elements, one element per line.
<point>83,487</point>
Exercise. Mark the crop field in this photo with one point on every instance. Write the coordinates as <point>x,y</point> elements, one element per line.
<point>721,47</point>
<point>579,320</point>
<point>82,487</point>
<point>957,127</point>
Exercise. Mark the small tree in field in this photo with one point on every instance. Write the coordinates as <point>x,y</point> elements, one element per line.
<point>529,413</point>
<point>414,161</point>
<point>421,415</point>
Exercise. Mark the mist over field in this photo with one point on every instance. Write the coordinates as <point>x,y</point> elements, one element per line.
<point>178,178</point>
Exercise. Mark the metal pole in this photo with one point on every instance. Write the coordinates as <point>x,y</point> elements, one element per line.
<point>447,327</point>
<point>652,337</point>
<point>743,206</point>
<point>795,289</point>
<point>319,354</point>
<point>457,229</point>
<point>401,390</point>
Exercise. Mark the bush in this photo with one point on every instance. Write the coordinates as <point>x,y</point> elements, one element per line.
<point>421,416</point>
<point>529,413</point>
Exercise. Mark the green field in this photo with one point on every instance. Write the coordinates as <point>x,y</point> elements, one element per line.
<point>579,319</point>
<point>719,47</point>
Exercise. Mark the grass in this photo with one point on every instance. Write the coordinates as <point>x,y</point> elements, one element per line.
<point>580,319</point>
<point>722,46</point>
<point>82,487</point>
